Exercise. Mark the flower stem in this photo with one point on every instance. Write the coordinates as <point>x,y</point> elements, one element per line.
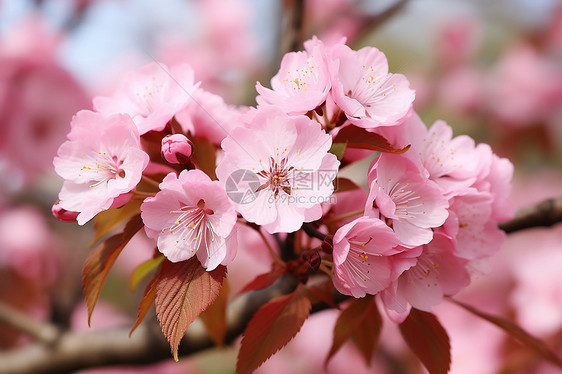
<point>150,181</point>
<point>343,216</point>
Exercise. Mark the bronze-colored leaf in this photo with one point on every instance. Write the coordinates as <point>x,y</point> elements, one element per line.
<point>183,290</point>
<point>266,279</point>
<point>271,328</point>
<point>357,137</point>
<point>101,259</point>
<point>108,219</point>
<point>205,156</point>
<point>147,300</point>
<point>425,336</point>
<point>214,317</point>
<point>361,322</point>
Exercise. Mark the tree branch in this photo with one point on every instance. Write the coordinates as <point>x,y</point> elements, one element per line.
<point>79,350</point>
<point>292,39</point>
<point>42,332</point>
<point>544,214</point>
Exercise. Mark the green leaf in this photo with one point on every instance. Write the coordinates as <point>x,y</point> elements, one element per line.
<point>271,328</point>
<point>357,137</point>
<point>101,259</point>
<point>425,336</point>
<point>142,271</point>
<point>184,290</point>
<point>338,149</point>
<point>361,322</point>
<point>516,333</point>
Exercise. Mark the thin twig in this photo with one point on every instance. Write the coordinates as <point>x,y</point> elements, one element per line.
<point>370,23</point>
<point>272,252</point>
<point>313,232</point>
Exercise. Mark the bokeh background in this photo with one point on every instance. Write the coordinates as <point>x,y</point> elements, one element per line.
<point>491,69</point>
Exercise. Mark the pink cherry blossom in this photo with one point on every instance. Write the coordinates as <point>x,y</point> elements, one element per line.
<point>520,100</point>
<point>453,163</point>
<point>100,161</point>
<point>37,101</point>
<point>364,89</point>
<point>471,224</point>
<point>291,167</point>
<point>152,95</point>
<point>402,196</point>
<point>302,83</point>
<point>208,116</point>
<point>192,215</point>
<point>35,258</point>
<point>436,272</point>
<point>361,262</point>
<point>496,179</point>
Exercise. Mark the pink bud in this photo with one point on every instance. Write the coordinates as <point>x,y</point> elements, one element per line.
<point>176,148</point>
<point>62,214</point>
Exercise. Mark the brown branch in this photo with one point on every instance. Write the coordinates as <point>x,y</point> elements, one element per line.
<point>42,332</point>
<point>79,350</point>
<point>73,351</point>
<point>544,214</point>
<point>292,39</point>
<point>371,22</point>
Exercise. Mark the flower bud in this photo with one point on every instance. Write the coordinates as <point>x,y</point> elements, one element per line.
<point>62,214</point>
<point>176,148</point>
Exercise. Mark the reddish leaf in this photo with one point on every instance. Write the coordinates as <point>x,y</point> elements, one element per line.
<point>214,317</point>
<point>271,328</point>
<point>361,322</point>
<point>425,336</point>
<point>322,293</point>
<point>344,184</point>
<point>183,290</point>
<point>266,279</point>
<point>108,219</point>
<point>147,300</point>
<point>204,156</point>
<point>515,332</point>
<point>357,137</point>
<point>102,258</point>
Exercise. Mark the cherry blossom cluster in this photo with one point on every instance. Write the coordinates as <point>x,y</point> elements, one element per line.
<point>433,201</point>
<point>430,218</point>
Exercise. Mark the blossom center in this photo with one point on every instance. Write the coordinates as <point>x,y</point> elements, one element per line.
<point>193,225</point>
<point>358,260</point>
<point>369,89</point>
<point>277,178</point>
<point>102,169</point>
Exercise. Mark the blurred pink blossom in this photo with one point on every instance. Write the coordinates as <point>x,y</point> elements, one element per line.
<point>151,95</point>
<point>524,88</point>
